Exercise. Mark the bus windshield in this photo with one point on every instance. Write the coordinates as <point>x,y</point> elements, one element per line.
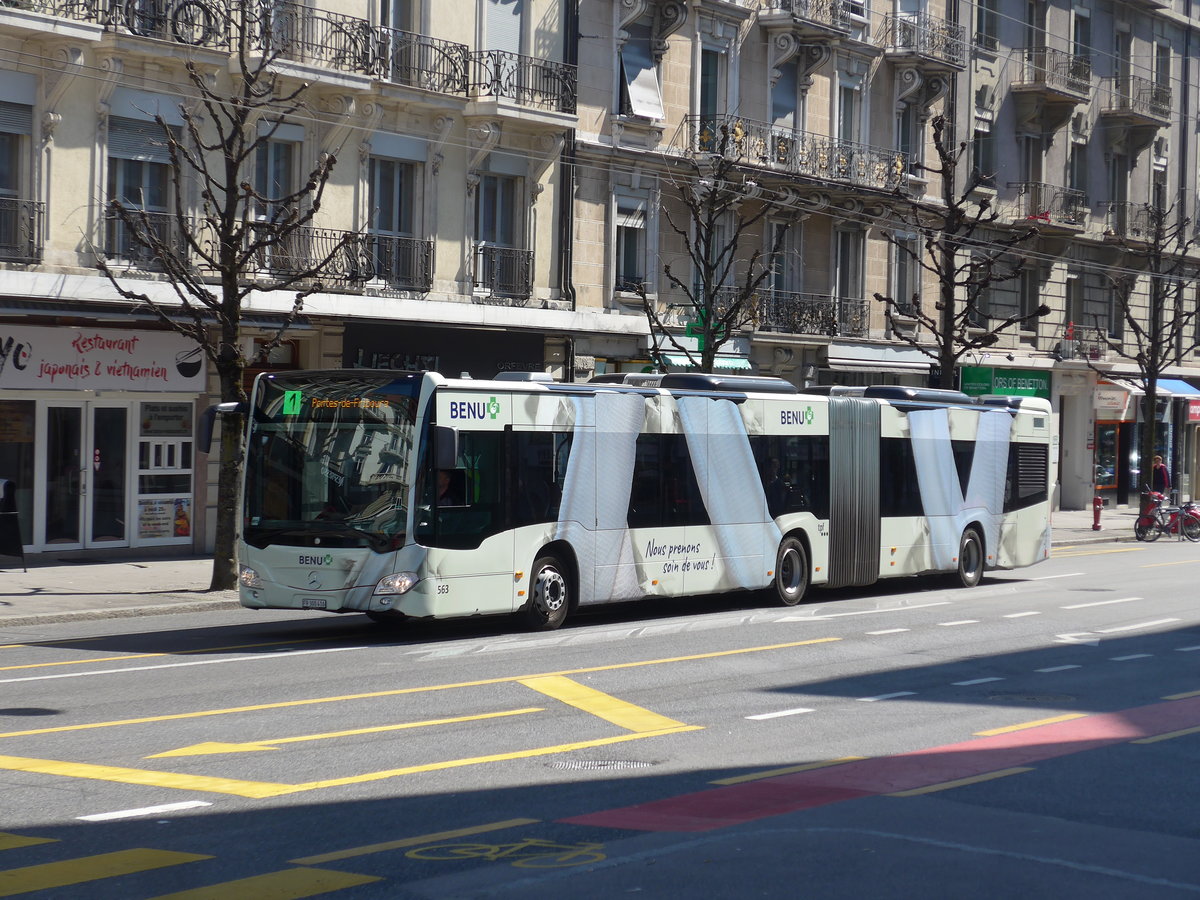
<point>329,459</point>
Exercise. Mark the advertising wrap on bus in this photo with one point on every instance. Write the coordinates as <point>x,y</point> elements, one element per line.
<point>408,494</point>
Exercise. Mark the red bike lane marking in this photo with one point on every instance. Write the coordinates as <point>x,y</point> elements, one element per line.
<point>733,805</point>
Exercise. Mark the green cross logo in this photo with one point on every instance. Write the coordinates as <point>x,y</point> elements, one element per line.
<point>292,401</point>
<point>808,415</point>
<point>328,556</point>
<point>493,407</point>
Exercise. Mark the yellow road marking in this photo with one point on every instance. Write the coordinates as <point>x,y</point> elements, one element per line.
<point>287,884</point>
<point>214,747</point>
<point>258,790</point>
<point>89,868</point>
<point>605,706</point>
<point>436,837</point>
<point>15,841</point>
<point>772,773</point>
<point>1178,562</point>
<point>1182,696</point>
<point>1061,555</point>
<point>960,782</point>
<point>1007,728</point>
<point>1167,737</point>
<point>104,659</point>
<point>287,704</point>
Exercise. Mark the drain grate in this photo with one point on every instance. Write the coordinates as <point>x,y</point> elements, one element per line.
<point>1032,698</point>
<point>601,764</point>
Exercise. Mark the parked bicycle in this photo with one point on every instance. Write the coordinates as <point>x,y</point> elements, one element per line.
<point>1160,519</point>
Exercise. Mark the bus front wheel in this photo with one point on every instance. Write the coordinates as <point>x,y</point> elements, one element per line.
<point>549,595</point>
<point>970,558</point>
<point>791,572</point>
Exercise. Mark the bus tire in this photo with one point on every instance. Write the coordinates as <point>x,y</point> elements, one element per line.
<point>792,573</point>
<point>970,558</point>
<point>549,595</point>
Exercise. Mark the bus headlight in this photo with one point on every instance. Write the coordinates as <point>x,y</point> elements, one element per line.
<point>249,578</point>
<point>396,583</point>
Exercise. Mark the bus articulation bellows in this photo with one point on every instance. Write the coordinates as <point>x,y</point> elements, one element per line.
<point>410,494</point>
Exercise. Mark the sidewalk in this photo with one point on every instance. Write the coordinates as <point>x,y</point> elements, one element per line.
<point>59,590</point>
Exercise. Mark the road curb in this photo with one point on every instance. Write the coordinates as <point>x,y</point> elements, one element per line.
<point>122,612</point>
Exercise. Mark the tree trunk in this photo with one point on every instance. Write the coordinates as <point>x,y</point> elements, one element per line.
<point>229,480</point>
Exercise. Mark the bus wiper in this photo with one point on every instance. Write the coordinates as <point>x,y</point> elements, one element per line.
<point>265,537</point>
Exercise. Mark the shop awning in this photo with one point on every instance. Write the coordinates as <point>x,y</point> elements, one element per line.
<point>892,360</point>
<point>1178,387</point>
<point>721,362</point>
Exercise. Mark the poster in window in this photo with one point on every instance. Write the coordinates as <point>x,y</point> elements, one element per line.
<point>165,518</point>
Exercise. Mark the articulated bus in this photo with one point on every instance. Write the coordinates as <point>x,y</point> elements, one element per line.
<point>408,494</point>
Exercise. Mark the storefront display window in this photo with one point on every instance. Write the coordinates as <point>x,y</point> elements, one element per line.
<point>17,462</point>
<point>164,472</point>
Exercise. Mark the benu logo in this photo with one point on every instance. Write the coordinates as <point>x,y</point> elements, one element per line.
<point>474,409</point>
<point>796,416</point>
<point>326,560</point>
<point>292,401</point>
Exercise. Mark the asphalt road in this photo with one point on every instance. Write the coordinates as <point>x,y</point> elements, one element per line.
<point>1036,736</point>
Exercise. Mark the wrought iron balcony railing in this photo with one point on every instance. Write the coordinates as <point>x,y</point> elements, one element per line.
<point>1134,95</point>
<point>422,62</point>
<point>1081,342</point>
<point>924,35</point>
<point>80,10</point>
<point>122,246</point>
<point>1057,70</point>
<point>829,13</point>
<point>1049,204</point>
<point>798,152</point>
<point>504,274</point>
<point>21,230</point>
<point>330,39</point>
<point>198,22</point>
<point>405,263</point>
<point>805,313</point>
<point>1132,221</point>
<point>527,80</point>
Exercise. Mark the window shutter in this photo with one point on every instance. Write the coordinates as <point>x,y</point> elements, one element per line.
<point>504,25</point>
<point>132,139</point>
<point>16,118</point>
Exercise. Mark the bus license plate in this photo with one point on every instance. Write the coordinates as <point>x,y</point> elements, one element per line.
<point>312,603</point>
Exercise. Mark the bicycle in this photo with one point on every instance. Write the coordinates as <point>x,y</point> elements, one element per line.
<point>1160,519</point>
<point>530,853</point>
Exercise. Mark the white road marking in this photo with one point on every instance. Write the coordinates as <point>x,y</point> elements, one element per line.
<point>1099,603</point>
<point>1186,649</point>
<point>1138,625</point>
<point>960,622</point>
<point>776,715</point>
<point>1057,669</point>
<point>1077,637</point>
<point>1049,577</point>
<point>977,681</point>
<point>144,811</point>
<point>889,631</point>
<point>865,612</point>
<point>887,696</point>
<point>1018,615</point>
<point>1131,656</point>
<point>201,662</point>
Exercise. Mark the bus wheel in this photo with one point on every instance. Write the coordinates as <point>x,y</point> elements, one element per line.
<point>549,595</point>
<point>970,558</point>
<point>791,572</point>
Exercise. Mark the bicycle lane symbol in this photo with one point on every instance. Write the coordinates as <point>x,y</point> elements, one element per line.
<point>530,853</point>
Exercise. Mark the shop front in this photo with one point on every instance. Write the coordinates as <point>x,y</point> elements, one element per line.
<point>481,353</point>
<point>96,436</point>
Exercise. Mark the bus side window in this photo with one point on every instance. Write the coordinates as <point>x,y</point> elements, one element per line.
<point>540,469</point>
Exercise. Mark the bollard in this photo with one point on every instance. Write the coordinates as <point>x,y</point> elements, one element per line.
<point>1097,505</point>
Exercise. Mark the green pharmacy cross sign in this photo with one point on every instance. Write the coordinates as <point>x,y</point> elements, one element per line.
<point>695,329</point>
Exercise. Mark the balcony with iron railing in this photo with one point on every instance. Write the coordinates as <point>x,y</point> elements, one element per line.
<point>1132,221</point>
<point>333,257</point>
<point>200,23</point>
<point>1049,207</point>
<point>808,18</point>
<point>422,62</point>
<point>791,152</point>
<point>1137,101</point>
<point>1055,75</point>
<point>21,230</point>
<point>929,41</point>
<point>123,246</point>
<point>319,38</point>
<point>403,263</point>
<point>818,314</point>
<point>1080,342</point>
<point>503,274</point>
<point>525,81</point>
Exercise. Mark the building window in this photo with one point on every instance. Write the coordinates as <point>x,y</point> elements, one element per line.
<point>848,112</point>
<point>496,210</point>
<point>906,273</point>
<point>640,91</point>
<point>273,176</point>
<point>1162,65</point>
<point>1077,168</point>
<point>983,154</point>
<point>987,25</point>
<point>19,225</point>
<point>1029,298</point>
<point>139,179</point>
<point>848,265</point>
<point>630,261</point>
<point>398,257</point>
<point>908,133</point>
<point>784,98</point>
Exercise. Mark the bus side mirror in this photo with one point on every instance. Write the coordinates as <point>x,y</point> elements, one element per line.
<point>208,421</point>
<point>446,441</point>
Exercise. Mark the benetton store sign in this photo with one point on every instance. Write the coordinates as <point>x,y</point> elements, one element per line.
<point>980,380</point>
<point>92,359</point>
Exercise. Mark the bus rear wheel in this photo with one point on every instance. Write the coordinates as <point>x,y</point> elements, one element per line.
<point>970,558</point>
<point>549,595</point>
<point>791,572</point>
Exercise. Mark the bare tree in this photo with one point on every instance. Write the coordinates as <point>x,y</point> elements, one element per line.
<point>244,236</point>
<point>961,246</point>
<point>1159,326</point>
<point>723,296</point>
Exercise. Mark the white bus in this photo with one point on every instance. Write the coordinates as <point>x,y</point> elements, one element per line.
<point>401,494</point>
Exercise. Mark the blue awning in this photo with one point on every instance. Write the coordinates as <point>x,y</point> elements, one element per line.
<point>1178,387</point>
